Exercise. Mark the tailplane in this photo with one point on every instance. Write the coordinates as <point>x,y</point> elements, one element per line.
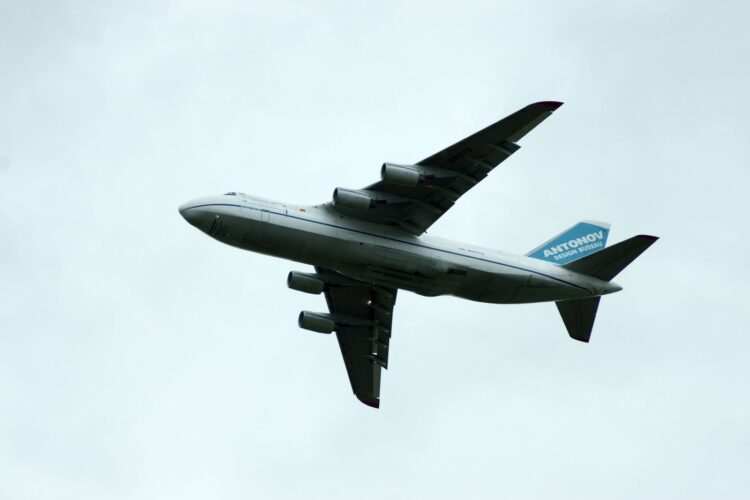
<point>579,314</point>
<point>574,243</point>
<point>608,263</point>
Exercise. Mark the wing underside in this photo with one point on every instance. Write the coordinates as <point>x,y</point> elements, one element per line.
<point>365,314</point>
<point>421,193</point>
<point>411,197</point>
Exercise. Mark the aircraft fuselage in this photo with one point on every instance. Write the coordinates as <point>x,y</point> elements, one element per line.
<point>385,256</point>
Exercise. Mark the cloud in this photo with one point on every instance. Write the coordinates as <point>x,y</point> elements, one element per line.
<point>140,359</point>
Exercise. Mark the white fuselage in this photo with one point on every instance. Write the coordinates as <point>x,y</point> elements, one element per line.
<point>383,255</point>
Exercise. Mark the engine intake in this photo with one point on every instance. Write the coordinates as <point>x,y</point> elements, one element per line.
<point>352,199</point>
<point>401,175</point>
<point>316,322</point>
<point>305,282</point>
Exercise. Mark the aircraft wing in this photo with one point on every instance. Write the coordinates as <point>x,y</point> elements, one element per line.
<point>415,196</point>
<point>364,333</point>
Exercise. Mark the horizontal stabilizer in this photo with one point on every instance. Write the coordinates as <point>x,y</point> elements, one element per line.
<point>578,316</point>
<point>574,243</point>
<point>608,263</point>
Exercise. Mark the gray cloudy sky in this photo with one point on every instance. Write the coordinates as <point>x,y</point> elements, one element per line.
<point>139,359</point>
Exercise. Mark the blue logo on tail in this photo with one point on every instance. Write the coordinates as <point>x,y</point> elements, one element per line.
<point>580,240</point>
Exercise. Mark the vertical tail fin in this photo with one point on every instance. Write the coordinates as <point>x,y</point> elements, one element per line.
<point>574,243</point>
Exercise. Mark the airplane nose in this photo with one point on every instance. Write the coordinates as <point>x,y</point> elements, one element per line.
<point>182,208</point>
<point>197,216</point>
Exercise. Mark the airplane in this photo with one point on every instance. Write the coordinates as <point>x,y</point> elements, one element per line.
<point>367,244</point>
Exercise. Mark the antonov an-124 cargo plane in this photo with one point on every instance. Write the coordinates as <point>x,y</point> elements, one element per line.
<point>368,243</point>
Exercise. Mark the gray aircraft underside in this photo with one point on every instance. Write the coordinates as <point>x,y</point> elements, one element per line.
<point>366,244</point>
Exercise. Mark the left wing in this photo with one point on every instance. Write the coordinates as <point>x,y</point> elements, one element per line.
<point>364,315</point>
<point>413,197</point>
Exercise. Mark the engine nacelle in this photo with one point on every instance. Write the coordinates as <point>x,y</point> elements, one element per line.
<point>305,282</point>
<point>401,175</point>
<point>351,199</point>
<point>316,322</point>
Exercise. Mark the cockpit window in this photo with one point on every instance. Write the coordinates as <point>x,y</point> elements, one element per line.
<point>231,193</point>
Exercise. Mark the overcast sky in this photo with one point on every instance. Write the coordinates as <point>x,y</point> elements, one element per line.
<point>140,359</point>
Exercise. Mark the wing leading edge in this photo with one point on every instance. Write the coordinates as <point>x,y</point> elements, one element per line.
<point>413,197</point>
<point>364,332</point>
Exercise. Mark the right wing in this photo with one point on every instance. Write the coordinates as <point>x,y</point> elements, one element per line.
<point>413,197</point>
<point>366,313</point>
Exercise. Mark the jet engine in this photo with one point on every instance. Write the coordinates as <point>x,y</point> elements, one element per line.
<point>305,282</point>
<point>401,175</point>
<point>316,322</point>
<point>352,199</point>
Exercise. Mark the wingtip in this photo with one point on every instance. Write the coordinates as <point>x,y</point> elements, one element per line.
<point>372,403</point>
<point>553,105</point>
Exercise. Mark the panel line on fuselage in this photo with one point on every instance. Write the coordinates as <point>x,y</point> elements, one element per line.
<point>390,238</point>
